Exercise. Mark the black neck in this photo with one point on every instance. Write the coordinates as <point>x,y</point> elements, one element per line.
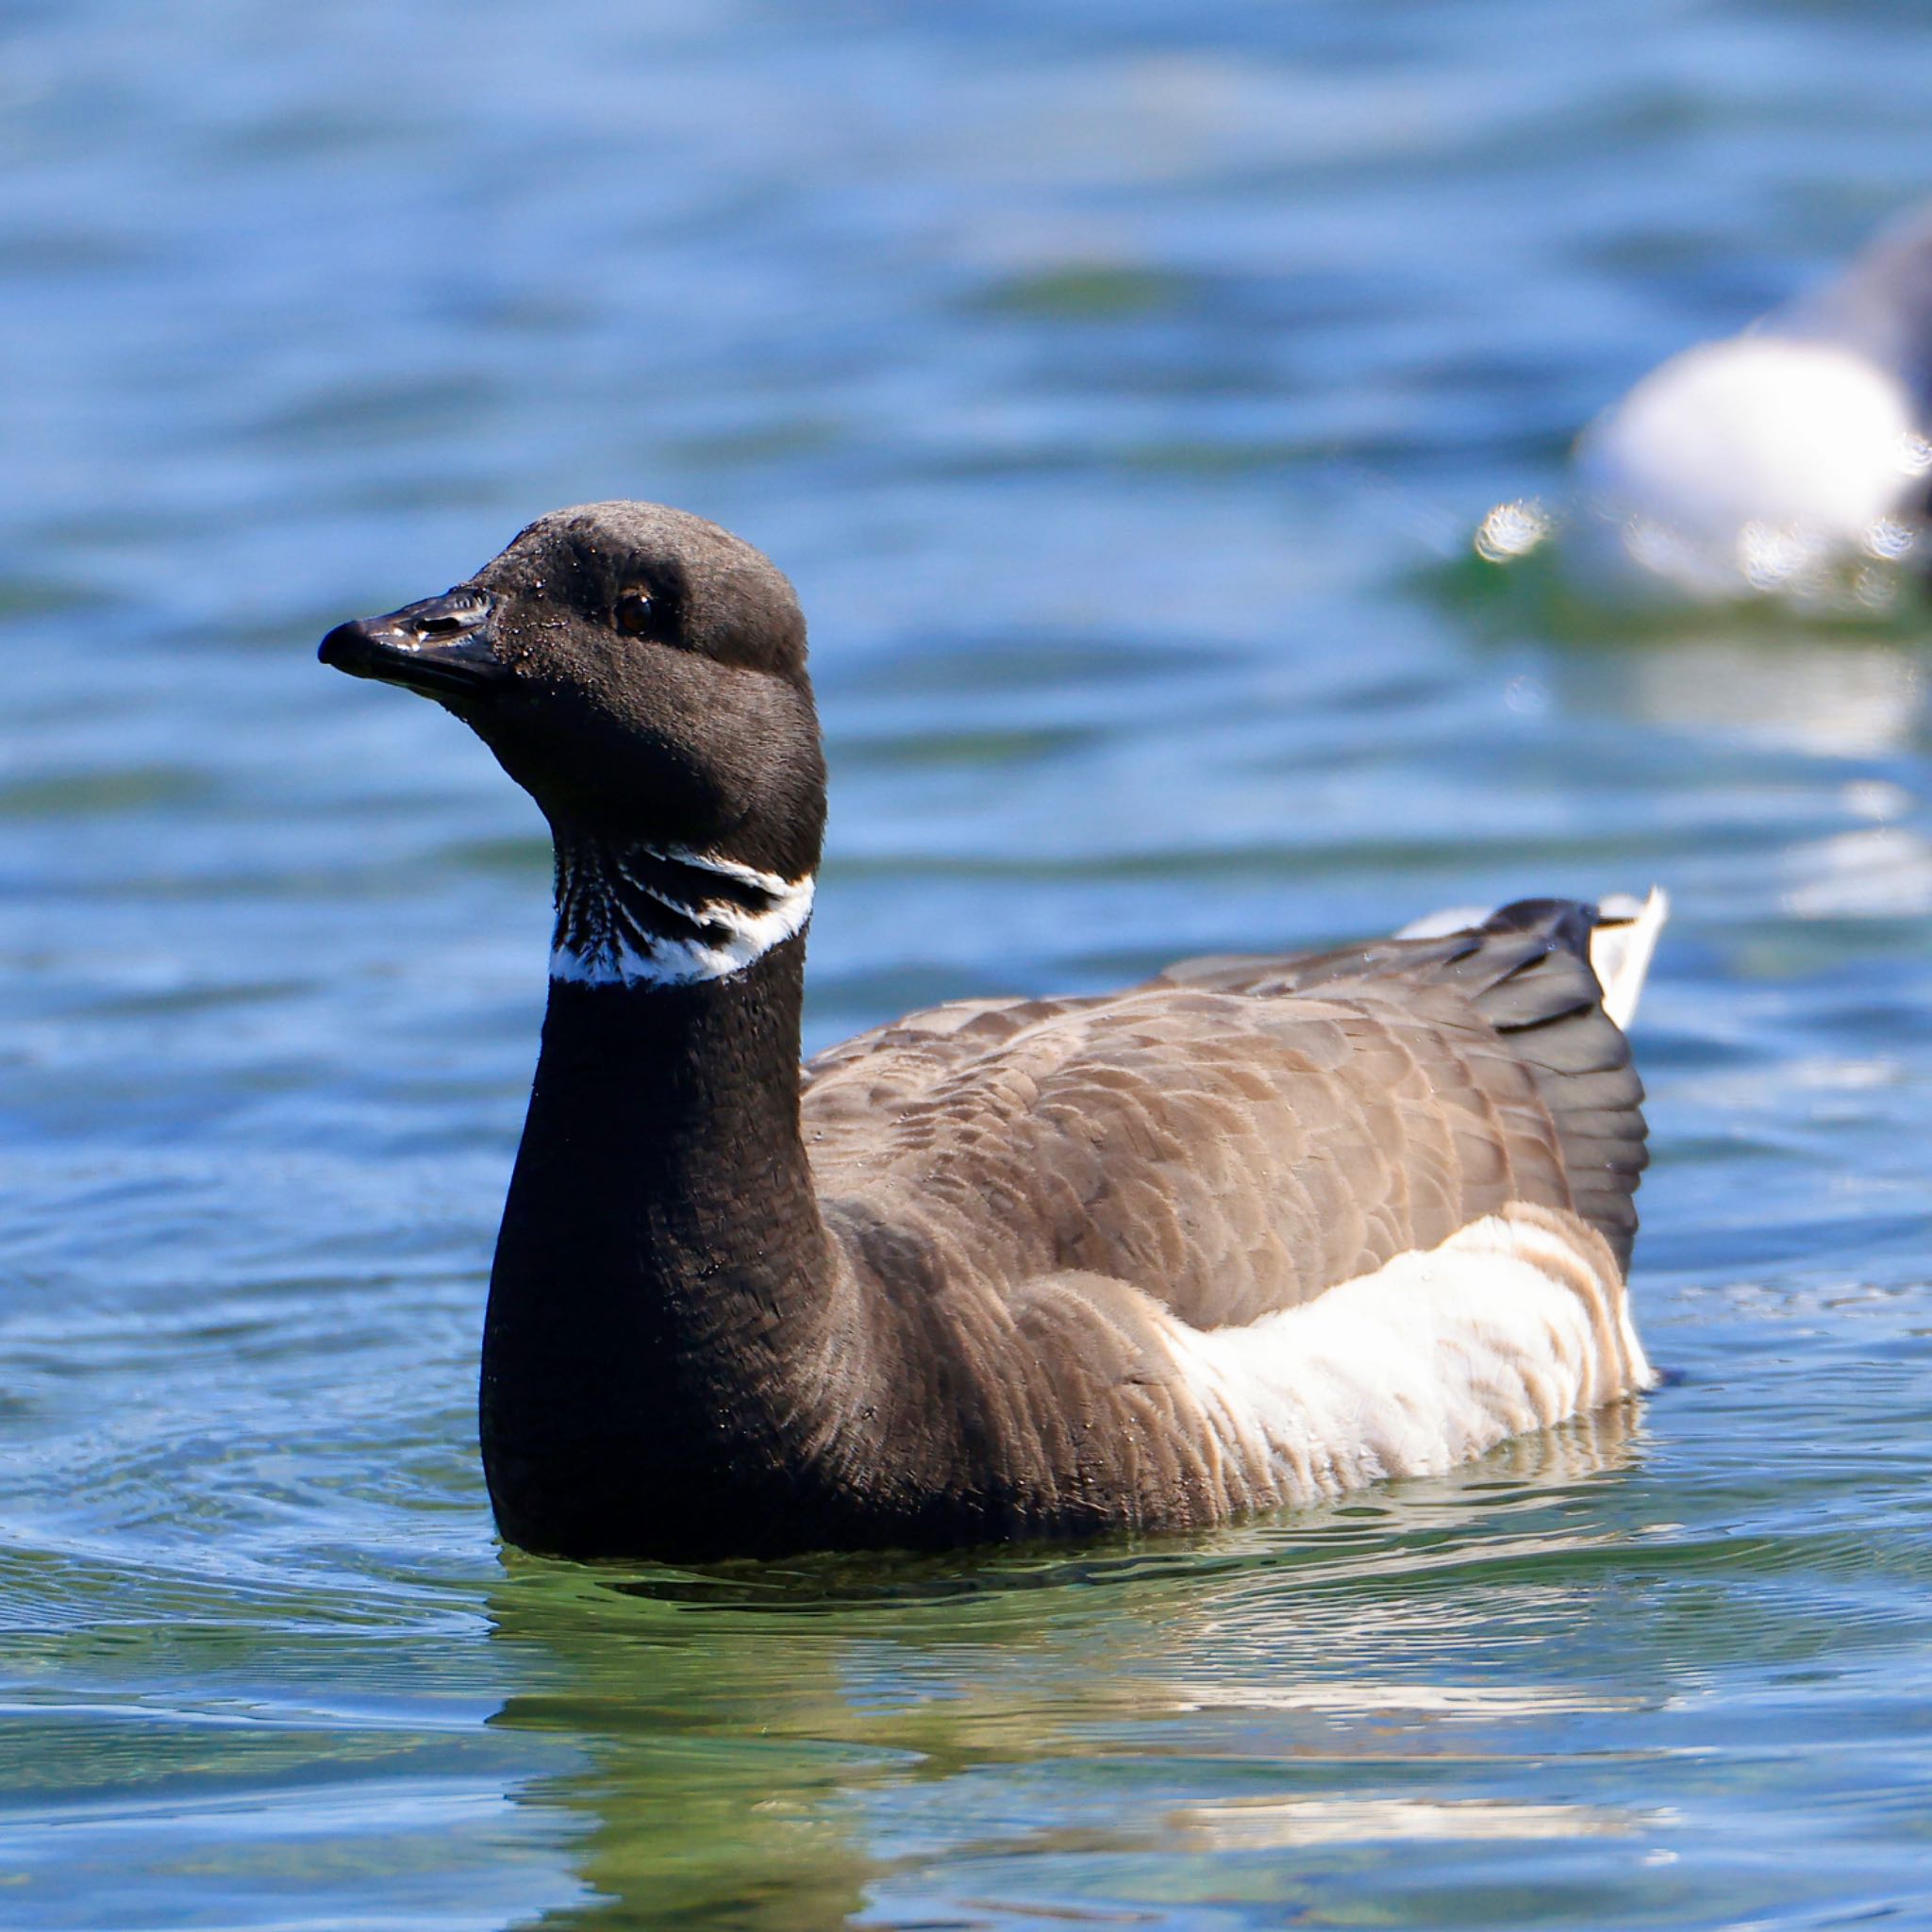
<point>663,1295</point>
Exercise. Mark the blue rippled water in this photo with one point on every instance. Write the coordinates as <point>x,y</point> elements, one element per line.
<point>1121,385</point>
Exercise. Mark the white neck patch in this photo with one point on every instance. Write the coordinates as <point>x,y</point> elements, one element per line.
<point>663,915</point>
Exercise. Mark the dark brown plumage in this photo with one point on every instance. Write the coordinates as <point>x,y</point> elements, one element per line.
<point>1244,1235</point>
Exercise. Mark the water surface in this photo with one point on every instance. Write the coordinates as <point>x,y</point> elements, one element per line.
<point>1121,385</point>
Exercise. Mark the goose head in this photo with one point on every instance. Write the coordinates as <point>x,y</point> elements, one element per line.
<point>642,673</point>
<point>639,670</point>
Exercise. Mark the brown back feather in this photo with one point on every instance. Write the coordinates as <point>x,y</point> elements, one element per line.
<point>1237,1136</point>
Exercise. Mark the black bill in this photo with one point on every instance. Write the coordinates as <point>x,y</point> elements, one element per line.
<point>440,647</point>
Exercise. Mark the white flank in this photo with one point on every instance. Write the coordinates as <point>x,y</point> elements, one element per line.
<point>1621,948</point>
<point>1742,463</point>
<point>627,958</point>
<point>1515,1322</point>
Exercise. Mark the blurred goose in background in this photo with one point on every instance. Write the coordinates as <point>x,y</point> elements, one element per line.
<point>1248,1234</point>
<point>1774,460</point>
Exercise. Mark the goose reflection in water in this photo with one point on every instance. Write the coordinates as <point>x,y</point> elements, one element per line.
<point>1850,711</point>
<point>882,1739</point>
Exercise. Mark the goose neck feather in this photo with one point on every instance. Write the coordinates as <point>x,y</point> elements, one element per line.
<point>668,1322</point>
<point>640,914</point>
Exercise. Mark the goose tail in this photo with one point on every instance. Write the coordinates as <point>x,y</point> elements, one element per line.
<point>1623,938</point>
<point>1620,946</point>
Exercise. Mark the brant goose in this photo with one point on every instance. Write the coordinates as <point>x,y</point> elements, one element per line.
<point>1764,461</point>
<point>1249,1234</point>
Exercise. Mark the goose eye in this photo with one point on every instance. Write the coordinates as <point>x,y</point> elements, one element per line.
<point>633,612</point>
